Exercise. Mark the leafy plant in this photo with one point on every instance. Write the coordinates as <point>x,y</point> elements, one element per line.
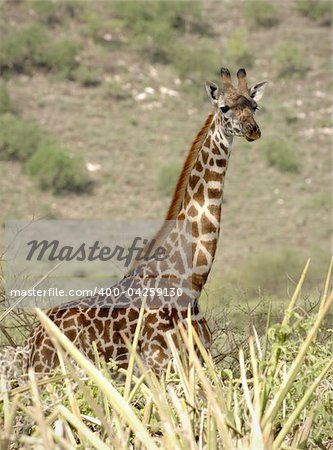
<point>56,169</point>
<point>18,139</point>
<point>261,13</point>
<point>281,154</point>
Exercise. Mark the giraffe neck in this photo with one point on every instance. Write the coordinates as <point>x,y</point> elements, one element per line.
<point>202,202</point>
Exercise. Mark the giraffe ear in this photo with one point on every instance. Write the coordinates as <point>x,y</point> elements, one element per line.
<point>257,91</point>
<point>212,91</point>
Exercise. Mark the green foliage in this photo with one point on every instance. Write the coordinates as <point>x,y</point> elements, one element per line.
<point>56,169</point>
<point>318,10</point>
<point>195,62</point>
<point>156,26</point>
<point>59,56</point>
<point>52,12</point>
<point>167,178</point>
<point>116,90</point>
<point>18,139</point>
<point>290,59</point>
<point>280,153</point>
<point>32,47</point>
<point>238,53</point>
<point>86,76</point>
<point>5,101</point>
<point>20,48</point>
<point>261,13</point>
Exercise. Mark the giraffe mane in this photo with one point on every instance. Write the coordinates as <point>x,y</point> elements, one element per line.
<point>179,191</point>
<point>178,195</point>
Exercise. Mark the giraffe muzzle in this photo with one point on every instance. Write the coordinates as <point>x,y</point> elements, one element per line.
<point>254,135</point>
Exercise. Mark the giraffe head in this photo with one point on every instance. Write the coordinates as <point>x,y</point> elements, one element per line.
<point>236,107</point>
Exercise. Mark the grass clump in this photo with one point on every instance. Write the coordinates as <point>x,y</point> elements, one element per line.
<point>194,62</point>
<point>55,12</point>
<point>290,59</point>
<point>261,13</point>
<point>32,47</point>
<point>5,101</point>
<point>18,139</point>
<point>238,53</point>
<point>156,26</point>
<point>320,11</point>
<point>281,154</point>
<point>56,169</point>
<point>20,49</point>
<point>59,56</point>
<point>86,76</point>
<point>167,178</point>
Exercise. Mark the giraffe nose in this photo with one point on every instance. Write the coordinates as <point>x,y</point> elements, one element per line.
<point>253,134</point>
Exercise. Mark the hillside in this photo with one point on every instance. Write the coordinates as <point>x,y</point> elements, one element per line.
<point>121,85</point>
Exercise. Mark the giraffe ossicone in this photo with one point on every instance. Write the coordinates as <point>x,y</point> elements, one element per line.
<point>189,235</point>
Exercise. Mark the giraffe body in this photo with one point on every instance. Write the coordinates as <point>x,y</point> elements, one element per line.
<point>190,242</point>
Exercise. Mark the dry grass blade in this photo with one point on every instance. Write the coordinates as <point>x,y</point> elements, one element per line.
<point>116,400</point>
<point>294,369</point>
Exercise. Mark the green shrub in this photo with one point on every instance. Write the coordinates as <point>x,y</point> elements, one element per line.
<point>290,59</point>
<point>20,48</point>
<point>238,53</point>
<point>53,12</point>
<point>56,169</point>
<point>18,139</point>
<point>156,26</point>
<point>59,56</point>
<point>280,153</point>
<point>85,76</point>
<point>195,62</point>
<point>261,13</point>
<point>167,178</point>
<point>5,102</point>
<point>31,47</point>
<point>318,10</point>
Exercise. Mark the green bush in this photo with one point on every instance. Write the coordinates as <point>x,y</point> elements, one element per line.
<point>56,169</point>
<point>32,47</point>
<point>318,10</point>
<point>53,12</point>
<point>290,59</point>
<point>85,76</point>
<point>195,62</point>
<point>5,102</point>
<point>280,153</point>
<point>18,139</point>
<point>156,26</point>
<point>261,13</point>
<point>20,48</point>
<point>167,178</point>
<point>238,53</point>
<point>59,56</point>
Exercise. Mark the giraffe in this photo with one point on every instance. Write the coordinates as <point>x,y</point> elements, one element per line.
<point>189,236</point>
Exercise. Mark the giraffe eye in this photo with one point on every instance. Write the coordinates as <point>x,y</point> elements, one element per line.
<point>225,109</point>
